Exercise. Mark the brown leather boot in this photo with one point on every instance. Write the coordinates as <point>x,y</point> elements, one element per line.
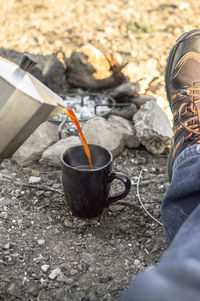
<point>182,84</point>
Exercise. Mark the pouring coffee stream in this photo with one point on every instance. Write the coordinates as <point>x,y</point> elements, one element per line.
<point>72,116</point>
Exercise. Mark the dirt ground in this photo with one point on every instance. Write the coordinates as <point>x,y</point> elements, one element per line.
<point>47,254</point>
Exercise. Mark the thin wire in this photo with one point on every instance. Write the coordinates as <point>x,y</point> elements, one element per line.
<point>138,195</point>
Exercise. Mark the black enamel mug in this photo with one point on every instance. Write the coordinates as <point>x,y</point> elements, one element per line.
<point>87,190</point>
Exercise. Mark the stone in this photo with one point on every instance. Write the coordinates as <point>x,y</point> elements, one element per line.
<point>126,128</point>
<point>4,201</point>
<point>100,131</point>
<point>89,68</point>
<point>73,272</point>
<point>68,223</point>
<point>4,215</point>
<point>125,92</point>
<point>153,128</point>
<point>107,297</point>
<point>51,155</point>
<point>34,180</point>
<point>14,290</point>
<point>45,267</point>
<point>6,246</point>
<point>163,103</point>
<point>35,173</point>
<point>55,273</point>
<point>155,248</point>
<point>136,262</point>
<point>62,278</point>
<point>115,208</point>
<point>41,242</point>
<point>32,149</point>
<point>156,212</point>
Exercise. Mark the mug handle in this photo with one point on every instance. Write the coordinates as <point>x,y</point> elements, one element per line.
<point>125,181</point>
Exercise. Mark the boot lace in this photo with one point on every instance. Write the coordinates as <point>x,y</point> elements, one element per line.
<point>190,109</point>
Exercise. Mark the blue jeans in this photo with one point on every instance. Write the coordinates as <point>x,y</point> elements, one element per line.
<point>177,276</point>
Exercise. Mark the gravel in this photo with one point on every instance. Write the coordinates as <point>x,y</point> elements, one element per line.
<point>47,252</point>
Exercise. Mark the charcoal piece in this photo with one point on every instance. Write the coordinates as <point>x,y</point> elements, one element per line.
<point>125,92</point>
<point>126,112</point>
<point>142,99</point>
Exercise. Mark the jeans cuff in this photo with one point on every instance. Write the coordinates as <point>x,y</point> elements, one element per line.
<point>188,152</point>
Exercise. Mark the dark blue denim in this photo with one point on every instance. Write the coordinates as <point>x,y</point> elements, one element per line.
<point>177,276</point>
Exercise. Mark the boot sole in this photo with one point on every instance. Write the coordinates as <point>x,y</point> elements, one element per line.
<point>170,59</point>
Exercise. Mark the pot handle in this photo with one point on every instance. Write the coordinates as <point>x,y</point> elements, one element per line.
<point>127,183</point>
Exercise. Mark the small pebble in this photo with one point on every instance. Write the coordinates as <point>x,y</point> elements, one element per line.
<point>34,180</point>
<point>4,215</point>
<point>136,262</point>
<point>156,212</point>
<point>48,193</point>
<point>115,208</point>
<point>73,272</point>
<point>6,246</point>
<point>54,273</point>
<point>68,223</point>
<point>45,267</point>
<point>39,192</point>
<point>41,242</point>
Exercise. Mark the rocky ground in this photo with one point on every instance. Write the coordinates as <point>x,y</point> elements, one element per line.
<point>46,253</point>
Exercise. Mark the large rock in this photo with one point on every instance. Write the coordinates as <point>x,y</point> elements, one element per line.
<point>89,68</point>
<point>126,128</point>
<point>51,156</point>
<point>153,128</point>
<point>32,149</point>
<point>99,131</point>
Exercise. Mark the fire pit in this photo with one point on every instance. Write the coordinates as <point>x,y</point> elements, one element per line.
<point>85,106</point>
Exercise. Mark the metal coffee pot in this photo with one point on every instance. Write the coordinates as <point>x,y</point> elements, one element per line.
<point>25,103</point>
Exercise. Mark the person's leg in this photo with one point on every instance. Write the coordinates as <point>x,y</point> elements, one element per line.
<point>177,275</point>
<point>183,193</point>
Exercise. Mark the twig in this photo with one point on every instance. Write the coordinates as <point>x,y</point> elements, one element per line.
<point>8,180</point>
<point>138,195</point>
<point>146,182</point>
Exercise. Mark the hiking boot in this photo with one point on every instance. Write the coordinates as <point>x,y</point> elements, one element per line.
<point>182,84</point>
